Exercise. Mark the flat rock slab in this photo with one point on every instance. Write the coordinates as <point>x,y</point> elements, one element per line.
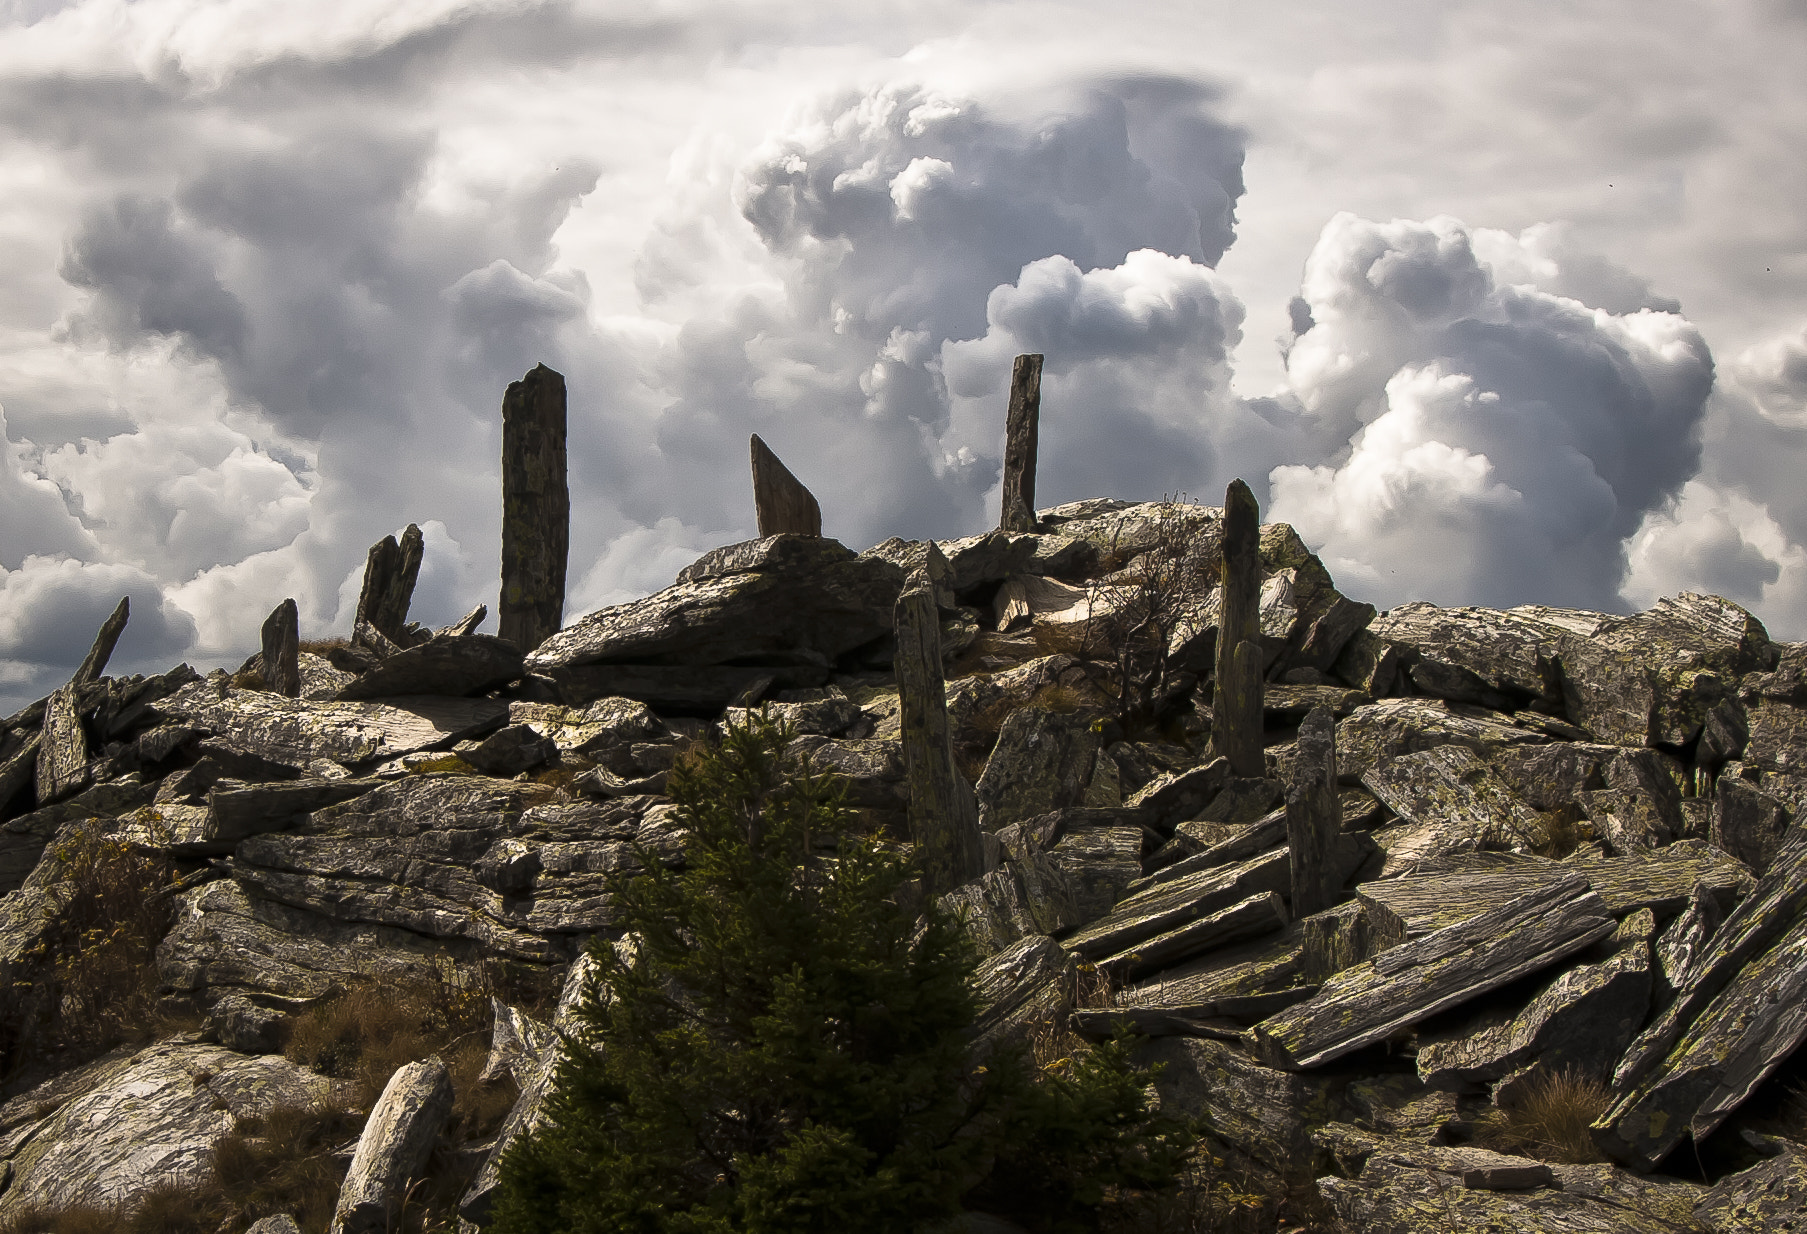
<point>825,610</point>
<point>227,941</point>
<point>416,854</point>
<point>297,732</point>
<point>453,665</point>
<point>1415,980</point>
<point>1473,652</point>
<point>679,689</point>
<point>1260,914</point>
<point>1651,678</point>
<point>1732,1046</point>
<point>1581,1021</point>
<point>1171,905</point>
<point>1770,1196</point>
<point>1250,981</point>
<point>1043,761</point>
<point>1450,790</point>
<point>1024,985</point>
<point>150,1121</point>
<point>1265,1113</point>
<point>1392,727</point>
<point>1462,887</point>
<point>1412,1188</point>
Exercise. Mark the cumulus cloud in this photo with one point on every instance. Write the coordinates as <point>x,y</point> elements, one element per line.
<point>1774,374</point>
<point>1503,439</point>
<point>1709,539</point>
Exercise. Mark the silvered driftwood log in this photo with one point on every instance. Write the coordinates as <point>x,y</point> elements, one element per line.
<point>1415,980</point>
<point>780,501</point>
<point>393,1149</point>
<point>1236,703</point>
<point>282,650</point>
<point>536,509</point>
<point>1314,816</point>
<point>944,816</point>
<point>1022,425</point>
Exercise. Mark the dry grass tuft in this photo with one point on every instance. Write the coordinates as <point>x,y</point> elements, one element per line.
<point>1551,1122</point>
<point>1563,832</point>
<point>320,646</point>
<point>364,1034</point>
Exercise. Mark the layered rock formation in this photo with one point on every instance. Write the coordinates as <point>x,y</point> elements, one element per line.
<point>1528,842</point>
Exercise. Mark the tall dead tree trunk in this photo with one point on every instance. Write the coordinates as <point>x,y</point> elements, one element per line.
<point>780,501</point>
<point>536,509</point>
<point>1022,430</point>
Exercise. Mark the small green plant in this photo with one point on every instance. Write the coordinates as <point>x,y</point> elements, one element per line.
<point>780,1044</point>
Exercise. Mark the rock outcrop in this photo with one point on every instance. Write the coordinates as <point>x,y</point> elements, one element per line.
<point>1445,855</point>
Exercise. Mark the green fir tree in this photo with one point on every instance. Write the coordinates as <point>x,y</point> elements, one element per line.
<point>780,1044</point>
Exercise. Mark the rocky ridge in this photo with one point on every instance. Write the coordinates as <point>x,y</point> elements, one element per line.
<point>1550,843</point>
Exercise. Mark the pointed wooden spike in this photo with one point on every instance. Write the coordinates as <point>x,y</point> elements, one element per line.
<point>780,502</point>
<point>1022,427</point>
<point>536,510</point>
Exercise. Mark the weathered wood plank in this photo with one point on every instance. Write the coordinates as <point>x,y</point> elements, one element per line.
<point>282,650</point>
<point>1022,428</point>
<point>536,509</point>
<point>944,815</point>
<point>781,503</point>
<point>1410,982</point>
<point>1314,817</point>
<point>1236,702</point>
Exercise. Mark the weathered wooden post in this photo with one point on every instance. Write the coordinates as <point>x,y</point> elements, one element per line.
<point>390,570</point>
<point>1022,428</point>
<point>282,650</point>
<point>1236,702</point>
<point>1313,814</point>
<point>63,744</point>
<point>780,501</point>
<point>536,509</point>
<point>944,815</point>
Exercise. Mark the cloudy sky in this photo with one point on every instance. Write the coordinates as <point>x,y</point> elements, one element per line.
<point>1497,302</point>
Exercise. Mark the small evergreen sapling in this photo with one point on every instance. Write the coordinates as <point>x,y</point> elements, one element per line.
<point>780,1044</point>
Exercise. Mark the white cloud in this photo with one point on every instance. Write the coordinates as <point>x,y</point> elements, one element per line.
<point>1724,543</point>
<point>1502,441</point>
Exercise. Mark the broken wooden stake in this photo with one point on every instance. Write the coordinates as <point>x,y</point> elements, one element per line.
<point>1314,816</point>
<point>781,504</point>
<point>944,814</point>
<point>1022,427</point>
<point>536,509</point>
<point>282,650</point>
<point>1236,702</point>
